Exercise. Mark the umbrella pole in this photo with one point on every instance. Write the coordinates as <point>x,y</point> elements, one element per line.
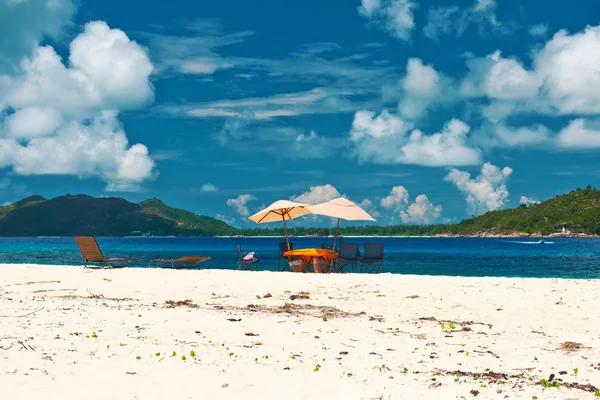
<point>337,227</point>
<point>286,233</point>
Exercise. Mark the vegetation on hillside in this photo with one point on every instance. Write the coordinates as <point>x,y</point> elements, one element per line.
<point>188,223</point>
<point>577,211</point>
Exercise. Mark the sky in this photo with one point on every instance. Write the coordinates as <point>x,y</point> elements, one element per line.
<point>420,111</point>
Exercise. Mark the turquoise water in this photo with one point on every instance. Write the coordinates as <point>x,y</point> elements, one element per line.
<point>558,258</point>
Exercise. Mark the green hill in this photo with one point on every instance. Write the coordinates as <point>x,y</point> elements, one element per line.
<point>84,215</point>
<point>578,211</point>
<point>187,222</point>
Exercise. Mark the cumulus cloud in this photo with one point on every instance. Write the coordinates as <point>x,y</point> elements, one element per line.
<point>23,23</point>
<point>580,134</point>
<point>528,201</point>
<point>422,211</point>
<point>62,119</point>
<point>209,188</point>
<point>369,207</point>
<point>447,20</point>
<point>502,135</point>
<point>240,203</point>
<point>317,194</point>
<point>397,198</point>
<point>422,87</point>
<point>313,145</point>
<point>486,192</point>
<point>562,80</point>
<point>393,16</point>
<point>384,139</point>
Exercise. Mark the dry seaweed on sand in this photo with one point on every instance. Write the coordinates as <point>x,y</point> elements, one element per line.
<point>180,303</point>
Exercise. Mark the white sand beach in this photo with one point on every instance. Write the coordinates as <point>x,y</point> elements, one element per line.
<point>110,334</point>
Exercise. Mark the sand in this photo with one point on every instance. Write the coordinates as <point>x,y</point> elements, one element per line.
<point>115,334</point>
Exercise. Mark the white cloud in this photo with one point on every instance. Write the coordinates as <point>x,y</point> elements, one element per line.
<point>317,194</point>
<point>63,119</point>
<point>240,203</point>
<point>422,86</point>
<point>580,134</point>
<point>383,139</point>
<point>32,122</point>
<point>209,188</point>
<point>422,211</point>
<point>397,199</point>
<point>538,30</point>
<point>446,20</point>
<point>97,147</point>
<point>107,72</point>
<point>486,192</point>
<point>226,219</point>
<point>562,80</point>
<point>501,135</point>
<point>312,145</point>
<point>25,23</point>
<point>528,201</point>
<point>394,16</point>
<point>369,207</point>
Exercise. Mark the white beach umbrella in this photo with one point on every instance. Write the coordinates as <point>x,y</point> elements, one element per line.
<point>340,208</point>
<point>278,211</point>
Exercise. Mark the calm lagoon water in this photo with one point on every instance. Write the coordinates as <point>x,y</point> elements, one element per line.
<point>562,258</point>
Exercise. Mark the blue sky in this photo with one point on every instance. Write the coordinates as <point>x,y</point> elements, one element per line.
<point>421,111</point>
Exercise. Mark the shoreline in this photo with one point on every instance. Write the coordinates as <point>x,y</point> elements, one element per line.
<point>267,335</point>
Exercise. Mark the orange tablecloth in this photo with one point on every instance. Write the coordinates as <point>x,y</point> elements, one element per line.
<point>308,255</point>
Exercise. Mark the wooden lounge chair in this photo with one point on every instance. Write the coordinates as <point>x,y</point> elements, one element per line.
<point>92,254</point>
<point>247,265</point>
<point>181,262</point>
<point>372,260</point>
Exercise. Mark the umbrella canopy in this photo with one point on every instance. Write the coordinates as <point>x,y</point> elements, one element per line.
<point>281,210</point>
<point>340,208</point>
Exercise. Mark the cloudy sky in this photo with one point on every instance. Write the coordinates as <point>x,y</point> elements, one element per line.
<point>421,111</point>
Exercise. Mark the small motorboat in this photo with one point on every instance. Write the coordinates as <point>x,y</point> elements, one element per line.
<point>541,241</point>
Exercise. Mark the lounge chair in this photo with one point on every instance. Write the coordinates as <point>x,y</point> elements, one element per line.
<point>347,260</point>
<point>92,254</point>
<point>181,262</point>
<point>284,261</point>
<point>247,265</point>
<point>372,260</point>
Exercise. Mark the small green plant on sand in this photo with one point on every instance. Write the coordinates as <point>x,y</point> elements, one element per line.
<point>76,333</point>
<point>174,354</point>
<point>475,377</point>
<point>94,335</point>
<point>231,354</point>
<point>183,357</point>
<point>293,357</point>
<point>467,354</point>
<point>405,370</point>
<point>490,326</point>
<point>316,368</point>
<point>157,354</point>
<point>452,326</point>
<point>487,370</point>
<point>575,370</point>
<point>108,346</point>
<point>138,357</point>
<point>443,326</point>
<point>501,382</point>
<point>192,353</point>
<point>597,393</point>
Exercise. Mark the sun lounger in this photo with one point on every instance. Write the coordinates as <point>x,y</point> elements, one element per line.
<point>92,254</point>
<point>182,262</point>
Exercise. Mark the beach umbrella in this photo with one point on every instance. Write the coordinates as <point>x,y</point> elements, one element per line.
<point>281,210</point>
<point>340,208</point>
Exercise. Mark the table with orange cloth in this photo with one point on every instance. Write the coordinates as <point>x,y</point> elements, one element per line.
<point>308,255</point>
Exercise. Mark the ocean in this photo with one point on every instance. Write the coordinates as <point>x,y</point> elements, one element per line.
<point>498,257</point>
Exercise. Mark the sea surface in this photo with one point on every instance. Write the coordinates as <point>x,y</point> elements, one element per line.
<point>557,258</point>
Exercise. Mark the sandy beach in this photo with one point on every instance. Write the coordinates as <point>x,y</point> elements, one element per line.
<point>74,333</point>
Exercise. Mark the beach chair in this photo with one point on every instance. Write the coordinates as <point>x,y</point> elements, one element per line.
<point>347,260</point>
<point>92,254</point>
<point>247,265</point>
<point>181,262</point>
<point>372,260</point>
<point>284,261</point>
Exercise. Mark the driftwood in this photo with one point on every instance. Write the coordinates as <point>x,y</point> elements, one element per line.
<point>23,315</point>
